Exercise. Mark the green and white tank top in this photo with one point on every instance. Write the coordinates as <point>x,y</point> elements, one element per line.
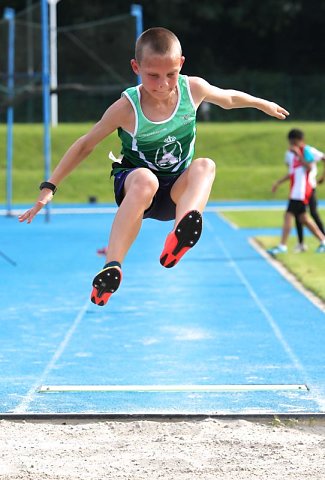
<point>166,147</point>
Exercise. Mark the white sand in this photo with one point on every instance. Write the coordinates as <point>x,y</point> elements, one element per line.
<point>173,450</point>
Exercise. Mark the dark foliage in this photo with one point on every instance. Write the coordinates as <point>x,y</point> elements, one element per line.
<point>223,35</point>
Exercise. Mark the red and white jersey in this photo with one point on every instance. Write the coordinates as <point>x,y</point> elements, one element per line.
<point>300,186</point>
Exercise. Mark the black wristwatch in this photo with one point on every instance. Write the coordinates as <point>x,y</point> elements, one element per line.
<point>48,185</point>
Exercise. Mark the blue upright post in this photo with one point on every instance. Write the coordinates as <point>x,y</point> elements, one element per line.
<point>136,11</point>
<point>46,97</point>
<point>9,15</point>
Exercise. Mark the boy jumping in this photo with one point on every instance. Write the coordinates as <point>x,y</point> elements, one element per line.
<point>156,176</point>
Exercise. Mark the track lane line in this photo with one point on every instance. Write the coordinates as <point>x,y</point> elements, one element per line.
<point>29,397</point>
<point>318,398</point>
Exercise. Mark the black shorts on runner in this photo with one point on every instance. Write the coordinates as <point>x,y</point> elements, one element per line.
<point>162,207</point>
<point>296,207</point>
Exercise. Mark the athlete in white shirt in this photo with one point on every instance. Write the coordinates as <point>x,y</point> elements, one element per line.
<point>300,160</point>
<point>317,157</point>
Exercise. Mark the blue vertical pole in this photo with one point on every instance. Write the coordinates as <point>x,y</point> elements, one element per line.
<point>9,15</point>
<point>136,11</point>
<point>46,97</point>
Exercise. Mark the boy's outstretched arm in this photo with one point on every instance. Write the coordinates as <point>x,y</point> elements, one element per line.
<point>229,99</point>
<point>78,151</point>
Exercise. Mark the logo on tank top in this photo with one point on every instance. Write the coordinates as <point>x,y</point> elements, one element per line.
<point>169,154</point>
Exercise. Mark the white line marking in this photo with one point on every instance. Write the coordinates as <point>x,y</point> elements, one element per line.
<point>276,330</point>
<point>167,388</point>
<point>22,407</point>
<point>66,211</point>
<point>113,209</point>
<point>318,397</point>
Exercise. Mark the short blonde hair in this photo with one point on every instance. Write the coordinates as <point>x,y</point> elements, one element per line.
<point>160,40</point>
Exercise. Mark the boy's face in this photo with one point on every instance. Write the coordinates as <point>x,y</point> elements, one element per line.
<point>296,142</point>
<point>159,73</point>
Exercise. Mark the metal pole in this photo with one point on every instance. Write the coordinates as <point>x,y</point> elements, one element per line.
<point>136,11</point>
<point>30,57</point>
<point>53,62</point>
<point>46,97</point>
<point>9,15</point>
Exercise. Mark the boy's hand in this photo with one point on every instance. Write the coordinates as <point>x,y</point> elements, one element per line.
<point>321,180</point>
<point>275,187</point>
<point>44,197</point>
<point>274,110</point>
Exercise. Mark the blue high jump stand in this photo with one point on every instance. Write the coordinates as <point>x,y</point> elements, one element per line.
<point>9,15</point>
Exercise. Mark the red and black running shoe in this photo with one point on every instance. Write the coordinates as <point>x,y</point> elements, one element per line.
<point>180,240</point>
<point>105,283</point>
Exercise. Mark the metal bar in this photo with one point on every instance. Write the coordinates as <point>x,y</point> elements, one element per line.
<point>167,388</point>
<point>53,61</point>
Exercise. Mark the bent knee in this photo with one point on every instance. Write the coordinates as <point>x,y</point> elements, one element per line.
<point>205,165</point>
<point>142,183</point>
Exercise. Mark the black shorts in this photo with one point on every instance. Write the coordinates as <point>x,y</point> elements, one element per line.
<point>296,207</point>
<point>162,207</point>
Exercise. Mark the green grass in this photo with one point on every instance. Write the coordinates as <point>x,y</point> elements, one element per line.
<point>90,178</point>
<point>256,219</point>
<point>249,157</point>
<point>308,267</point>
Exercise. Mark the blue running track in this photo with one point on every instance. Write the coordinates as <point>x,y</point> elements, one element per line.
<point>223,316</point>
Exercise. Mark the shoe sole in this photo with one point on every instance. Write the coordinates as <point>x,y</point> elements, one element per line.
<point>180,240</point>
<point>105,283</point>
